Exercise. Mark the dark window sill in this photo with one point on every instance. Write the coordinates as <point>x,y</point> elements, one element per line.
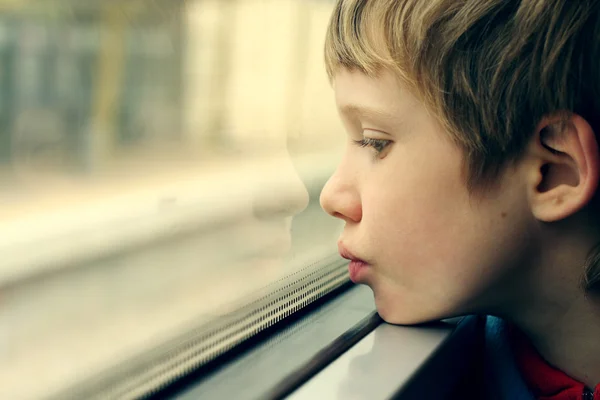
<point>382,361</point>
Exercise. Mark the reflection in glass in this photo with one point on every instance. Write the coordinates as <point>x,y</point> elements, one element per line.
<point>160,161</point>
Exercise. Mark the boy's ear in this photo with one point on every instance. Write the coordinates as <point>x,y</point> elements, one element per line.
<point>565,155</point>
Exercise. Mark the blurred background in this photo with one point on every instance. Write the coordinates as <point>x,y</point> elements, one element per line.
<point>160,161</point>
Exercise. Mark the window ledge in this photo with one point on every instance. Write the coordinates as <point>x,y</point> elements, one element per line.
<point>378,366</point>
<point>388,362</point>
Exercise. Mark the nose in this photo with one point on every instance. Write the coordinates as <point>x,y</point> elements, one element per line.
<point>284,195</point>
<point>340,198</point>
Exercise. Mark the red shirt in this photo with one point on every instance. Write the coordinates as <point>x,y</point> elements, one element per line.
<point>545,381</point>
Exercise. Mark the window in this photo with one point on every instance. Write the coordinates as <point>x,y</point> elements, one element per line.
<point>160,167</point>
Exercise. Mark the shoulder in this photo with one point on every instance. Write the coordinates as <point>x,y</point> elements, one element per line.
<point>502,377</point>
<point>491,372</point>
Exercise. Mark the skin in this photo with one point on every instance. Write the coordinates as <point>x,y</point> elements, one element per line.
<point>435,250</point>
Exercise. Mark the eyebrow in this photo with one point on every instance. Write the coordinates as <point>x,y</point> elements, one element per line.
<point>388,121</point>
<point>365,112</point>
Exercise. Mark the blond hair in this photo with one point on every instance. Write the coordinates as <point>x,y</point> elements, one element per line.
<point>490,70</point>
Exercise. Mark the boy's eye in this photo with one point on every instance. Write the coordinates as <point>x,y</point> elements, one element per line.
<point>379,145</point>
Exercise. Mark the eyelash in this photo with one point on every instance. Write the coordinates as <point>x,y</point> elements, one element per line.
<point>379,145</point>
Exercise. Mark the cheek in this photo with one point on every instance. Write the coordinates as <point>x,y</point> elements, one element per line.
<point>436,249</point>
<point>415,214</point>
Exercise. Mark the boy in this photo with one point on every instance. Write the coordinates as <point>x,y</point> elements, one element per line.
<point>469,183</point>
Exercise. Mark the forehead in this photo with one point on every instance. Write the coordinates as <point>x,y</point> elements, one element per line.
<point>380,97</point>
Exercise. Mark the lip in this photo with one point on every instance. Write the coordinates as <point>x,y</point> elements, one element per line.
<point>357,267</point>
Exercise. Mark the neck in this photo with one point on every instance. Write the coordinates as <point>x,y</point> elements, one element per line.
<point>560,319</point>
<point>570,342</point>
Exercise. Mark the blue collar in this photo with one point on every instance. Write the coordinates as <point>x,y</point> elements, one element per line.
<point>502,377</point>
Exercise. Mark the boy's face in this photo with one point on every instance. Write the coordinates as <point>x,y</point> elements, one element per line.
<point>433,250</point>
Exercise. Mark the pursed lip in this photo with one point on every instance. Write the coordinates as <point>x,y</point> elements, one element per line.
<point>358,268</point>
<point>347,254</point>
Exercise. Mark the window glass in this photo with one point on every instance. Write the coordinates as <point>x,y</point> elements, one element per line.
<point>160,165</point>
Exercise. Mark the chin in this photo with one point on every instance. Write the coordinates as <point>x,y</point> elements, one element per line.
<point>402,318</point>
<point>394,312</point>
